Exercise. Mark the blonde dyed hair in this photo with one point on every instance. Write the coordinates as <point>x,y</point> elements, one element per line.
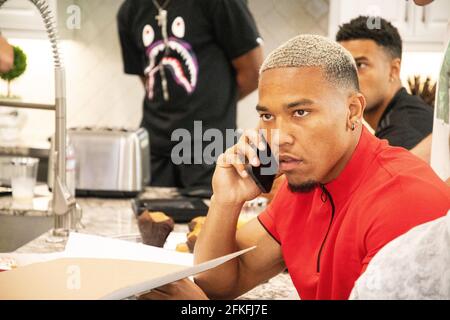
<point>308,50</point>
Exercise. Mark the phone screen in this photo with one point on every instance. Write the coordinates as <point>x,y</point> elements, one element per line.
<point>265,173</point>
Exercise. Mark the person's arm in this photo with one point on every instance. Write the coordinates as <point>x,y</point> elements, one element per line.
<point>131,53</point>
<point>235,31</point>
<point>219,236</point>
<point>423,149</point>
<point>240,275</point>
<point>247,71</point>
<point>6,55</point>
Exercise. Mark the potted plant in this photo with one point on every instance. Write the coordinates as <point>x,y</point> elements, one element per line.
<point>10,119</point>
<point>20,65</point>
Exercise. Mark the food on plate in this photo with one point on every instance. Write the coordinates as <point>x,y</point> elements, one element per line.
<point>196,225</point>
<point>193,235</point>
<point>196,221</point>
<point>155,227</point>
<point>182,247</point>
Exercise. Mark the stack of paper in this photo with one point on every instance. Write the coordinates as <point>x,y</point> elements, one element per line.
<point>93,267</point>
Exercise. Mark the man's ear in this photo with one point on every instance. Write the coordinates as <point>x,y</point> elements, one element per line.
<point>395,69</point>
<point>356,106</point>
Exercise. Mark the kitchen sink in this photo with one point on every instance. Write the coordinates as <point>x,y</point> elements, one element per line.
<point>18,230</point>
<point>20,225</point>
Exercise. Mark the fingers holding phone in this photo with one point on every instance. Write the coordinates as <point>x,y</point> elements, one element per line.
<point>242,171</point>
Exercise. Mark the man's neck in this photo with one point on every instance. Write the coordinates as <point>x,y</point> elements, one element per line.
<point>373,116</point>
<point>343,161</point>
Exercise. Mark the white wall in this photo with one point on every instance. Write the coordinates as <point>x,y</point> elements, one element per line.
<point>279,21</point>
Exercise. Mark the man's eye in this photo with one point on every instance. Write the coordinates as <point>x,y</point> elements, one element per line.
<point>361,65</point>
<point>301,113</point>
<point>266,117</point>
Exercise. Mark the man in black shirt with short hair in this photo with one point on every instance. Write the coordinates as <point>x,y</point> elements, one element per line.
<point>375,44</point>
<point>196,58</point>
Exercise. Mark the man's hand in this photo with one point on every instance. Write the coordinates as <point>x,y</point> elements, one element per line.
<point>6,55</point>
<point>180,290</point>
<point>231,183</point>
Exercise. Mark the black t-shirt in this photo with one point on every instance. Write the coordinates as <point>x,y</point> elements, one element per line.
<point>406,121</point>
<point>204,37</point>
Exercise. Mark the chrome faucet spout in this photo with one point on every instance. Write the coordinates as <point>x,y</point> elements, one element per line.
<point>63,204</point>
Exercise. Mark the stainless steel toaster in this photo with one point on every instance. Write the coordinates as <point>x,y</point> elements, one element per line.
<point>110,162</point>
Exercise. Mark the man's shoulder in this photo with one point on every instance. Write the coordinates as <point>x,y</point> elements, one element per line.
<point>127,9</point>
<point>401,181</point>
<point>408,103</point>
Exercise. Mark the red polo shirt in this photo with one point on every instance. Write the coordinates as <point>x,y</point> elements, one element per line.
<point>329,235</point>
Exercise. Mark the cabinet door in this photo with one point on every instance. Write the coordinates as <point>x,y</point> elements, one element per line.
<point>432,22</point>
<point>21,19</point>
<point>400,13</point>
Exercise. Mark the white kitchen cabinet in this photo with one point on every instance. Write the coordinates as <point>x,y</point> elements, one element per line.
<point>421,28</point>
<point>21,19</point>
<point>432,21</point>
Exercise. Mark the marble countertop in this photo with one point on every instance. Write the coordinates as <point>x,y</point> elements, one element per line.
<point>115,218</point>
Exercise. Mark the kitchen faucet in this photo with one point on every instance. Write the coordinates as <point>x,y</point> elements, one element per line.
<point>67,213</point>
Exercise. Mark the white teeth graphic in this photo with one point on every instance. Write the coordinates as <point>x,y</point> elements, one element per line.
<point>176,66</point>
<point>173,64</point>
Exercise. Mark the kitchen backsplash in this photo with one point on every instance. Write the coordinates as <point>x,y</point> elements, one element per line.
<point>100,94</point>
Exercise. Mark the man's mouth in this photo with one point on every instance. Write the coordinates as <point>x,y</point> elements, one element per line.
<point>180,61</point>
<point>288,163</point>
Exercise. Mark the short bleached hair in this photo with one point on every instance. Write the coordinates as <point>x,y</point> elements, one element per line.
<point>308,50</point>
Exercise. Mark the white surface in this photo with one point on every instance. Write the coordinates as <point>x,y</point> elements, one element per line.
<point>155,283</point>
<point>22,19</point>
<point>90,246</point>
<point>421,28</point>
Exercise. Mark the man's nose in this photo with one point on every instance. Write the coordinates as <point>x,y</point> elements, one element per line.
<point>281,136</point>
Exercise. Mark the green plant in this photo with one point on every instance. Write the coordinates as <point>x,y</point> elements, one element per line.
<point>20,65</point>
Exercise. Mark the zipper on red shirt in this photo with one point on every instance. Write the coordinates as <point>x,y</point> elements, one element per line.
<point>327,195</point>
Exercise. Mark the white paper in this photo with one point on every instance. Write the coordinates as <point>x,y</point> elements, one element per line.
<point>90,246</point>
<point>155,283</point>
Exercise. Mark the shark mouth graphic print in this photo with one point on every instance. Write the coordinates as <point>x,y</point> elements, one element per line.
<point>178,59</point>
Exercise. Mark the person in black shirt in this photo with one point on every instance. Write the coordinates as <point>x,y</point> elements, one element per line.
<point>375,44</point>
<point>196,58</point>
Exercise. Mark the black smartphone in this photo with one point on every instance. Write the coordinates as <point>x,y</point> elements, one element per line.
<point>265,173</point>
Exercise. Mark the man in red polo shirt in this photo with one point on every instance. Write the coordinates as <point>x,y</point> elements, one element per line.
<point>346,194</point>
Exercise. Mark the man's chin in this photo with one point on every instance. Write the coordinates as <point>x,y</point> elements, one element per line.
<point>303,187</point>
